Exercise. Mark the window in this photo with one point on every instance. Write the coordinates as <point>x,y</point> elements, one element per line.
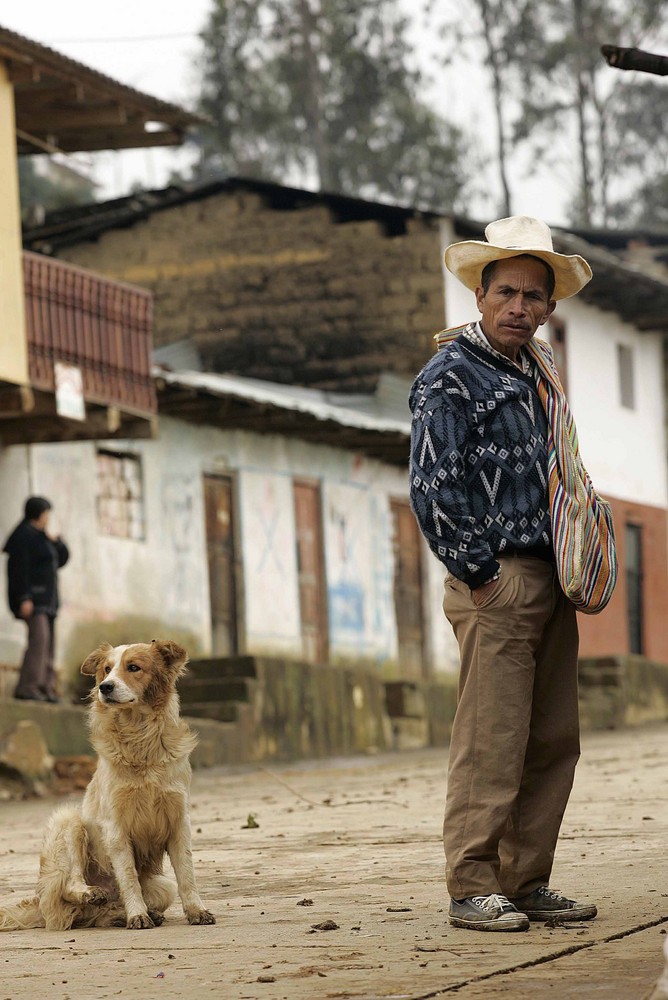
<point>626,379</point>
<point>634,602</point>
<point>557,329</point>
<point>120,495</point>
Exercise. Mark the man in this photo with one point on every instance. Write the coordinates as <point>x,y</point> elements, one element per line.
<point>32,589</point>
<point>479,490</point>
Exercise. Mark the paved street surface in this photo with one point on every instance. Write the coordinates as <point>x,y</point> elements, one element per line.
<point>359,842</point>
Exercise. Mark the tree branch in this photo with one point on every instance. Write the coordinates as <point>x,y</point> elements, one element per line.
<point>644,62</point>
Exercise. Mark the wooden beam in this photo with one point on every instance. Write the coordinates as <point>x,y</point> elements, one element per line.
<point>97,426</point>
<point>44,145</point>
<point>15,400</point>
<point>32,99</point>
<point>11,55</point>
<point>123,138</point>
<point>23,73</point>
<point>54,118</point>
<point>387,446</point>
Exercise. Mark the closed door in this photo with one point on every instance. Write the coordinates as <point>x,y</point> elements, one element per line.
<point>221,554</point>
<point>408,590</point>
<point>310,566</point>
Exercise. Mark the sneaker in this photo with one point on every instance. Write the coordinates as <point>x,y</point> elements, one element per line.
<point>487,913</point>
<point>543,903</point>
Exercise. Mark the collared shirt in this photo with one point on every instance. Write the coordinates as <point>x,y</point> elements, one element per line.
<point>476,336</point>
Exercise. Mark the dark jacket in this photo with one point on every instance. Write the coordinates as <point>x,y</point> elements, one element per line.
<point>32,569</point>
<point>478,472</point>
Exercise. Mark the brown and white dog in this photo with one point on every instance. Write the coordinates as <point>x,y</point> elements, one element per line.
<point>102,865</point>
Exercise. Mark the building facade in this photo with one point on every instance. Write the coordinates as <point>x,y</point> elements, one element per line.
<point>236,542</point>
<point>329,292</point>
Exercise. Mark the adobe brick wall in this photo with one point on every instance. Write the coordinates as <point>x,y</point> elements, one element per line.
<point>289,296</point>
<point>601,635</point>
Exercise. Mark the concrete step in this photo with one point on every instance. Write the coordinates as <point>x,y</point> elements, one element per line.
<point>219,711</point>
<point>405,699</point>
<point>223,689</point>
<point>221,667</point>
<point>219,743</point>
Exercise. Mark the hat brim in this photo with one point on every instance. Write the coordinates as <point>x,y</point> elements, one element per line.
<point>467,260</point>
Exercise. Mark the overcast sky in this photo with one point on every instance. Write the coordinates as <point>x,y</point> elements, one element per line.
<point>152,45</point>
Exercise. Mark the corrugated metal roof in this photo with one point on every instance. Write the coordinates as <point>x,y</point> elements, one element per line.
<point>323,406</point>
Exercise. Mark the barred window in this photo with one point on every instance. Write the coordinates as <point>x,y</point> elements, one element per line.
<point>120,495</point>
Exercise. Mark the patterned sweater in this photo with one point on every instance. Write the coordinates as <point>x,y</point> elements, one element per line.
<point>478,470</point>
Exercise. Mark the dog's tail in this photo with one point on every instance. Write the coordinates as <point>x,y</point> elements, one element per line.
<point>23,916</point>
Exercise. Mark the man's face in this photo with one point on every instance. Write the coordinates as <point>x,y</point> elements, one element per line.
<point>42,521</point>
<point>515,304</point>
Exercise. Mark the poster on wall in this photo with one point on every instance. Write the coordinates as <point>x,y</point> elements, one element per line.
<point>69,391</point>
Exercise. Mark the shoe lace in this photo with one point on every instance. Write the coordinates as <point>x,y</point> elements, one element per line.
<point>549,893</point>
<point>493,902</point>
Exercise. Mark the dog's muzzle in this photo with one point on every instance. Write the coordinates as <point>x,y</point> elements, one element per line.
<point>106,688</point>
<point>111,693</point>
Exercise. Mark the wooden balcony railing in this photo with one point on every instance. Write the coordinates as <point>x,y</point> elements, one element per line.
<point>103,327</point>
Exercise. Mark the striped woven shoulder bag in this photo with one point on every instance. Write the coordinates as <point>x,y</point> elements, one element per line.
<point>582,529</point>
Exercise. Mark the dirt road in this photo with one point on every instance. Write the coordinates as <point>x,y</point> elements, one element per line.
<point>357,843</point>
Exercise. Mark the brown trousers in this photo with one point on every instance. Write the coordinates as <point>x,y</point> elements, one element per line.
<point>515,738</point>
<point>38,676</point>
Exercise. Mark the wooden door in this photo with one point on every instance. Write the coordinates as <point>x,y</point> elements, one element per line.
<point>221,554</point>
<point>310,566</point>
<point>408,590</point>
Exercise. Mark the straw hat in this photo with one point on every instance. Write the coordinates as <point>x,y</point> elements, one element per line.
<point>520,234</point>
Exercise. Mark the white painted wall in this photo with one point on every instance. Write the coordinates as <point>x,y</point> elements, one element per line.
<point>624,450</point>
<point>163,581</point>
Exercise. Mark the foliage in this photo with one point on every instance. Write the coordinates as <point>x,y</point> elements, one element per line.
<point>55,187</point>
<point>556,101</point>
<point>324,89</point>
<point>497,29</point>
<point>570,90</point>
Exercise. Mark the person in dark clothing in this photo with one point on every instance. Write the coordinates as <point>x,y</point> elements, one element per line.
<point>32,591</point>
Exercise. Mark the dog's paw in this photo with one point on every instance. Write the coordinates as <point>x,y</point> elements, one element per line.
<point>200,917</point>
<point>139,921</point>
<point>96,896</point>
<point>157,917</point>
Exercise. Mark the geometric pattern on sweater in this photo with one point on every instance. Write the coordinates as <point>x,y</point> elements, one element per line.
<point>478,466</point>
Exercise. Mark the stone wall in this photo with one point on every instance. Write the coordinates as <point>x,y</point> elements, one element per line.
<point>297,295</point>
<point>620,691</point>
<point>298,711</point>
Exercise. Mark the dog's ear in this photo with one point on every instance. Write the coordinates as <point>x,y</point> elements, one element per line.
<point>93,660</point>
<point>173,655</point>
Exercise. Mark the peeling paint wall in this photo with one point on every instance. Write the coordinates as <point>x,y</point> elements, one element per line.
<point>269,557</point>
<point>120,589</point>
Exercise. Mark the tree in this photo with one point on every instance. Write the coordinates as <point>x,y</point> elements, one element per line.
<point>324,90</point>
<point>643,154</point>
<point>51,185</point>
<point>555,101</point>
<point>494,32</point>
<point>569,87</point>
